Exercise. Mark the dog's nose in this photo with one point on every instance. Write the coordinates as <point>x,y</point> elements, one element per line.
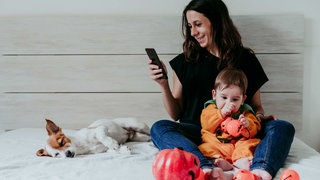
<point>70,154</point>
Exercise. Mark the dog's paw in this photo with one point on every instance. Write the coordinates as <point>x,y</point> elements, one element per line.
<point>121,150</point>
<point>125,150</point>
<point>112,144</point>
<point>114,148</point>
<point>113,151</point>
<point>140,137</point>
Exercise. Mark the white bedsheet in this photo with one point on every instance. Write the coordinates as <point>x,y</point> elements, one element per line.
<point>18,160</point>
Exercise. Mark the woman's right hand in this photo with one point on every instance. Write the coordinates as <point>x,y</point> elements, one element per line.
<point>156,73</point>
<point>267,118</point>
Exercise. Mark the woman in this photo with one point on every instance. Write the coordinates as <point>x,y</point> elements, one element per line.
<point>211,43</point>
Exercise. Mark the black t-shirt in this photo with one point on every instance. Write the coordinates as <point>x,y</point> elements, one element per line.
<point>197,79</point>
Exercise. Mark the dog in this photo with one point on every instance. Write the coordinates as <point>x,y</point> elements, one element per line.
<point>103,135</point>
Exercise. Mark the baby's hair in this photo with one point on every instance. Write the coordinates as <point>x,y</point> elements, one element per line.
<point>231,76</point>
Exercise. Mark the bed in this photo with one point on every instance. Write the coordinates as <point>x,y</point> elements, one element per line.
<point>76,69</point>
<point>18,160</point>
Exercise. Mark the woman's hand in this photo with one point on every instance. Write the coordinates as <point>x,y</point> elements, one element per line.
<point>156,72</point>
<point>262,117</point>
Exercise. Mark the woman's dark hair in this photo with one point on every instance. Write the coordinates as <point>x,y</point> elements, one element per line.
<point>225,34</point>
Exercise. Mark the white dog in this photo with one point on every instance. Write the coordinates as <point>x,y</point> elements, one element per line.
<point>101,136</point>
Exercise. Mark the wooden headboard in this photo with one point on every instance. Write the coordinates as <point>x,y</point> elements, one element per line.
<point>75,69</point>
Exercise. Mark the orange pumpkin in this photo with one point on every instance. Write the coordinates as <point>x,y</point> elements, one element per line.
<point>244,174</point>
<point>176,164</point>
<point>289,174</point>
<point>225,123</point>
<point>233,127</point>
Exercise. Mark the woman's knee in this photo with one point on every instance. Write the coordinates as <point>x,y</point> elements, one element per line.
<point>286,127</point>
<point>282,126</point>
<point>290,129</point>
<point>160,126</point>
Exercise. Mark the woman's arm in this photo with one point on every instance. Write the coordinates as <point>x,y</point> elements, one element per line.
<point>172,100</point>
<point>257,107</point>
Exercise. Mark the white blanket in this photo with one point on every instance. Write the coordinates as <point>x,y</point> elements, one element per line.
<point>19,161</point>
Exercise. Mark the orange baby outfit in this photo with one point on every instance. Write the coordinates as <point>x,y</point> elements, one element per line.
<point>219,144</point>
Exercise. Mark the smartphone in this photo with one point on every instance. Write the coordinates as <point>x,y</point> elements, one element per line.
<point>155,60</point>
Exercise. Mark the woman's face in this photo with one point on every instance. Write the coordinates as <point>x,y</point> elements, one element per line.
<point>200,27</point>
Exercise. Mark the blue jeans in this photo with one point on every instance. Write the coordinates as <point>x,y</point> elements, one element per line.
<point>270,154</point>
<point>166,134</point>
<point>276,139</point>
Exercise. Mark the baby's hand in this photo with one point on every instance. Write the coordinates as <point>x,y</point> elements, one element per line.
<point>244,120</point>
<point>227,109</point>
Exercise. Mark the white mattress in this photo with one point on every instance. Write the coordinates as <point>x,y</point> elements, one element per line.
<point>18,160</point>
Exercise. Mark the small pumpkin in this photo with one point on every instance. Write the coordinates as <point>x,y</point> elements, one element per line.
<point>289,174</point>
<point>233,127</point>
<point>244,174</point>
<point>176,164</point>
<point>225,123</point>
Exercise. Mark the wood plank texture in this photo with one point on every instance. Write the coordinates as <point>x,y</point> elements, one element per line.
<point>272,33</point>
<point>89,34</point>
<point>285,106</point>
<point>285,72</point>
<point>120,73</point>
<point>131,34</point>
<point>76,110</point>
<point>75,69</point>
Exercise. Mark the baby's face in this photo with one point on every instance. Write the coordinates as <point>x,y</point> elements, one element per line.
<point>229,96</point>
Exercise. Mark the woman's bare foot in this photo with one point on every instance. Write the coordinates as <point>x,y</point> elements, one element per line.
<point>243,163</point>
<point>216,174</point>
<point>223,164</point>
<point>262,174</point>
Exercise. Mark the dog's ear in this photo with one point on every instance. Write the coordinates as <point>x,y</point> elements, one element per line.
<point>42,152</point>
<point>52,128</point>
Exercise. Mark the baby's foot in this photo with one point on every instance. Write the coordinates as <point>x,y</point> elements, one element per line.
<point>243,163</point>
<point>223,164</point>
<point>216,174</point>
<point>262,174</point>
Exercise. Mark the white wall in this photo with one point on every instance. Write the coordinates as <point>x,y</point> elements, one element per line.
<point>309,132</point>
